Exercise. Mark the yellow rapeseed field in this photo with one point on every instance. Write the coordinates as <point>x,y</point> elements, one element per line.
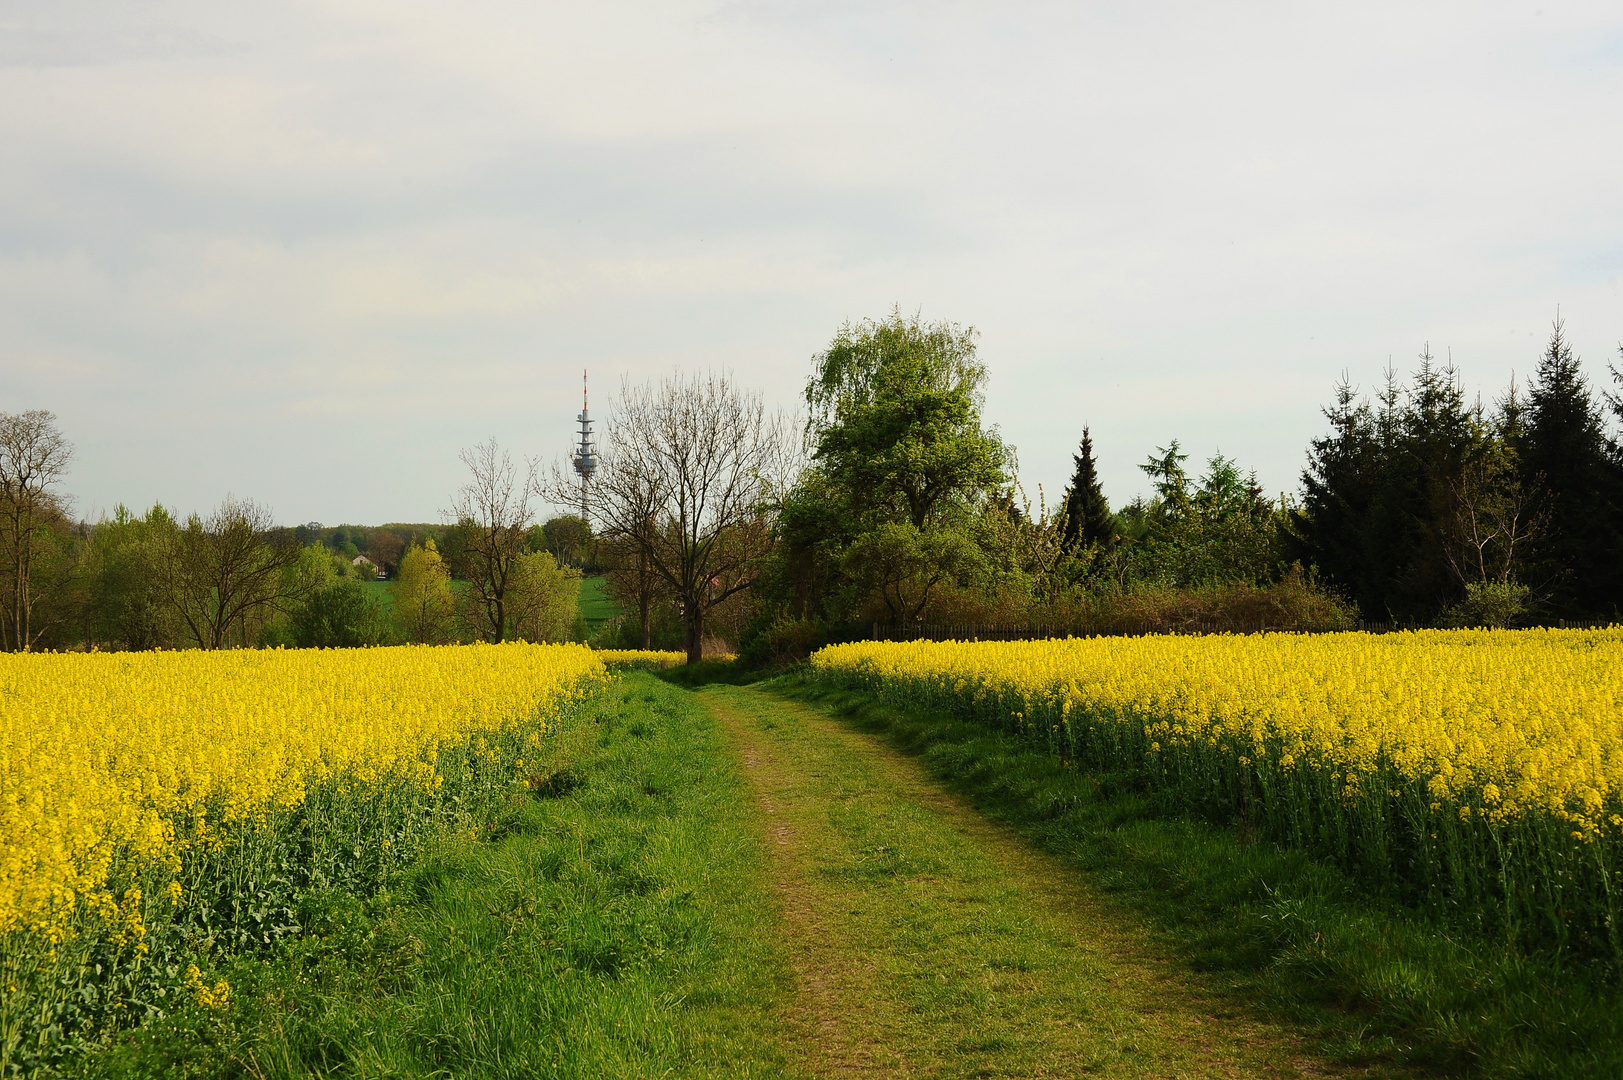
<point>641,658</point>
<point>116,757</point>
<point>1513,721</point>
<point>1486,764</point>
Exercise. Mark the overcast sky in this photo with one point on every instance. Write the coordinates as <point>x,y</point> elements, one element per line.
<point>303,253</point>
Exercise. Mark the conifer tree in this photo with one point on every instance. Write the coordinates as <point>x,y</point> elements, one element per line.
<point>1088,520</point>
<point>1438,435</point>
<point>1378,492</point>
<point>1614,402</point>
<point>1339,490</point>
<point>1564,453</point>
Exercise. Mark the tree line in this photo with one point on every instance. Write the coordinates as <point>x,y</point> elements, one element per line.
<point>1421,506</point>
<point>233,578</point>
<point>721,524</point>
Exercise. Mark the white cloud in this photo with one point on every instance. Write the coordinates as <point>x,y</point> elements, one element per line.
<point>304,253</point>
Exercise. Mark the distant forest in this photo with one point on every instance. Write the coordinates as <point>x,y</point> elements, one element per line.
<point>1422,505</point>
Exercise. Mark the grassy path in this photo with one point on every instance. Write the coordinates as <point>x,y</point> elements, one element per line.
<point>721,884</point>
<point>930,942</point>
<point>613,921</point>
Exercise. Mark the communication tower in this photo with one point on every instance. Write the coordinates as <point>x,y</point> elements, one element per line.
<point>584,456</point>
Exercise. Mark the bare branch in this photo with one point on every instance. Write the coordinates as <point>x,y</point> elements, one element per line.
<point>687,479</point>
<point>34,457</point>
<point>493,510</point>
<point>217,572</point>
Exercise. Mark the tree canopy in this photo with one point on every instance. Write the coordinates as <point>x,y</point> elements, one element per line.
<point>895,419</point>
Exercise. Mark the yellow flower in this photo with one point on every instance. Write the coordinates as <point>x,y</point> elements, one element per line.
<point>114,760</point>
<point>1522,722</point>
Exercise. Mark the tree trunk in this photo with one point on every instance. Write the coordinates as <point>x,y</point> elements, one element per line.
<point>22,629</point>
<point>645,598</point>
<point>693,619</point>
<point>18,635</point>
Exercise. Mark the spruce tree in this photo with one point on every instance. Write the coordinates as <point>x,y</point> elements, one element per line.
<point>1614,402</point>
<point>1340,488</point>
<point>1564,455</point>
<point>1088,520</point>
<point>1375,506</point>
<point>1614,470</point>
<point>1439,434</point>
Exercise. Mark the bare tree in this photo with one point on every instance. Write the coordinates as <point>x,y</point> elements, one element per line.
<point>1491,518</point>
<point>634,583</point>
<point>493,512</point>
<point>690,469</point>
<point>215,573</point>
<point>34,457</point>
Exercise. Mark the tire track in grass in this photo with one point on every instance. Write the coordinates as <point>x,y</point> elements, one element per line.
<point>929,941</point>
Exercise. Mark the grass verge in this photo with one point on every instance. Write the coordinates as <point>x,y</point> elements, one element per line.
<point>1295,938</point>
<point>610,921</point>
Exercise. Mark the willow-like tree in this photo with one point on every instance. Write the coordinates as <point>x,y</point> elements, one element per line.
<point>895,419</point>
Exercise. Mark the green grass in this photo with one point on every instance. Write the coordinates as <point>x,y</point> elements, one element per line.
<point>596,605</point>
<point>382,593</point>
<point>930,942</point>
<point>613,921</point>
<point>787,878</point>
<point>1378,983</point>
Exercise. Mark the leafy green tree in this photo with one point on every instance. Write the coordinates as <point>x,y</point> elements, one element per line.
<point>454,548</point>
<point>895,419</point>
<point>123,607</point>
<point>904,565</point>
<point>544,598</point>
<point>343,615</point>
<point>901,471</point>
<point>567,537</point>
<point>802,577</point>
